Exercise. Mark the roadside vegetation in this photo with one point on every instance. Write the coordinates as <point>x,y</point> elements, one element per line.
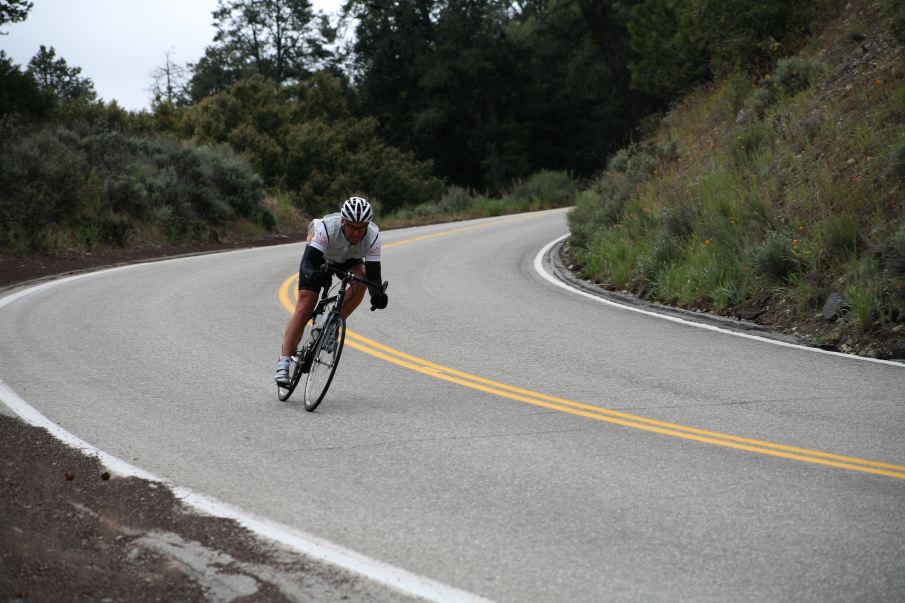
<point>777,196</point>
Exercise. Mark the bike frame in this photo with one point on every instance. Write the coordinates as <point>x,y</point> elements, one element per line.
<point>346,277</point>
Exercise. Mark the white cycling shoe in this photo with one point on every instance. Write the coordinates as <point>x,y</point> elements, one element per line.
<point>282,374</point>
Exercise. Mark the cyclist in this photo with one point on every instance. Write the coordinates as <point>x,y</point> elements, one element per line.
<point>349,241</point>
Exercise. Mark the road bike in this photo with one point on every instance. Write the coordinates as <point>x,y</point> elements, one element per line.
<point>319,351</point>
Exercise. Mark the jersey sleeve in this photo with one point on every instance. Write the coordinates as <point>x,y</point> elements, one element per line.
<point>320,239</point>
<point>373,254</point>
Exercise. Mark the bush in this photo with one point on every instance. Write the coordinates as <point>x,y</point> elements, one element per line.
<point>840,235</point>
<point>677,223</point>
<point>612,257</point>
<point>762,99</point>
<point>546,189</point>
<point>593,211</point>
<point>895,170</point>
<point>68,188</point>
<point>635,161</point>
<point>774,258</point>
<point>794,74</point>
<point>751,139</point>
<point>455,200</point>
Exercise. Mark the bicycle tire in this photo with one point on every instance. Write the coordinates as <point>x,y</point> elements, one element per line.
<point>325,358</point>
<point>295,372</point>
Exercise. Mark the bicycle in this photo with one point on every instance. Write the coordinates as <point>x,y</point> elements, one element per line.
<point>319,351</point>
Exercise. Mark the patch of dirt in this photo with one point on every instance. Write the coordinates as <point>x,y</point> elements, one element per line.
<point>72,532</point>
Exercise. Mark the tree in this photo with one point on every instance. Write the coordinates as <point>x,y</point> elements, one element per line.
<point>170,83</point>
<point>214,73</point>
<point>393,42</point>
<point>577,112</point>
<point>283,40</point>
<point>13,11</point>
<point>739,34</point>
<point>494,90</point>
<point>666,59</point>
<point>440,77</point>
<point>19,92</point>
<point>57,79</point>
<point>304,139</point>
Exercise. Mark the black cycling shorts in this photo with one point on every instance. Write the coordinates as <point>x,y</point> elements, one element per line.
<point>303,285</point>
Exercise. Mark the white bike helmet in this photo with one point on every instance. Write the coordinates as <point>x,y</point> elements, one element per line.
<point>357,210</point>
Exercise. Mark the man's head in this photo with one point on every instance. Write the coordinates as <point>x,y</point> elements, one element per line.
<point>356,214</point>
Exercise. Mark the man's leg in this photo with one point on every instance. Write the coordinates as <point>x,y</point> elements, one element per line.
<point>301,315</point>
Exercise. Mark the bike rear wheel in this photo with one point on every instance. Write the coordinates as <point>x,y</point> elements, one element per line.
<point>324,360</point>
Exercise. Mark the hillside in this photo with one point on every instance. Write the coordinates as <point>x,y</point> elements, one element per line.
<point>777,199</point>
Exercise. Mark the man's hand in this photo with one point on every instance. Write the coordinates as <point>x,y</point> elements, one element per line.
<point>379,301</point>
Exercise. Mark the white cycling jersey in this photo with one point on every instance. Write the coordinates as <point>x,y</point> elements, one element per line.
<point>326,236</point>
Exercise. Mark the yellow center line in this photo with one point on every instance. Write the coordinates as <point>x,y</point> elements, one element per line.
<point>438,371</point>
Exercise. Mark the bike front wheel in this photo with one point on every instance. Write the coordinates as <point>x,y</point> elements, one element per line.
<point>324,360</point>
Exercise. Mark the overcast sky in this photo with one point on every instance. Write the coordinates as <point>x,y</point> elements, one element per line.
<point>118,43</point>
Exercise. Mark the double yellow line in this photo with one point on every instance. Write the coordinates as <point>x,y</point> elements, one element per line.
<point>438,371</point>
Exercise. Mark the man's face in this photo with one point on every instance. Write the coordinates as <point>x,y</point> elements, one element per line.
<point>354,232</point>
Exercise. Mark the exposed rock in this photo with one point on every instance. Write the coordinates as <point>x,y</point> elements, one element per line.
<point>833,306</point>
<point>898,348</point>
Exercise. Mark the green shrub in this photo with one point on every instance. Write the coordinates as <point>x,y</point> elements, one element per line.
<point>612,257</point>
<point>663,251</point>
<point>635,161</point>
<point>677,223</point>
<point>750,139</point>
<point>863,289</point>
<point>763,98</point>
<point>896,21</point>
<point>455,200</point>
<point>897,103</point>
<point>84,187</point>
<point>892,254</point>
<point>774,258</point>
<point>895,169</point>
<point>490,207</point>
<point>794,74</point>
<point>840,235</point>
<point>546,189</point>
<point>593,211</point>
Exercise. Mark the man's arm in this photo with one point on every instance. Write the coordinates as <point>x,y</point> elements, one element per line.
<point>378,295</point>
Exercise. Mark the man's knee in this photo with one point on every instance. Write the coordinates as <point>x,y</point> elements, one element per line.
<point>306,302</point>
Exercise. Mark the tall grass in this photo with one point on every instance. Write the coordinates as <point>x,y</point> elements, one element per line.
<point>787,188</point>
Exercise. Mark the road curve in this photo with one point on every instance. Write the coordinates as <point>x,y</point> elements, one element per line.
<point>168,366</point>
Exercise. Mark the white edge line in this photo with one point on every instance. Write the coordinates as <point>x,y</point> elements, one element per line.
<point>394,577</point>
<point>539,268</point>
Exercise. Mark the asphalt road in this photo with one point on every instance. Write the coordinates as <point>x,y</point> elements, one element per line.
<point>562,490</point>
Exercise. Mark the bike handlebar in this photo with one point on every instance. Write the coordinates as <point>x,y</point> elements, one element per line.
<point>349,275</point>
